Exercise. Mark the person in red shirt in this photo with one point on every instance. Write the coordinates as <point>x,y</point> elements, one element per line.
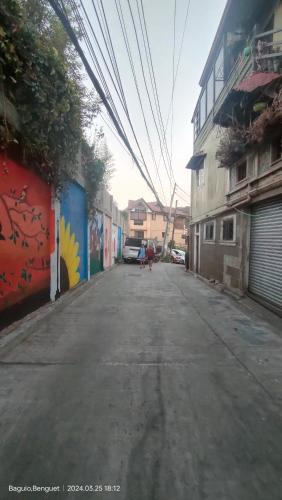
<point>150,256</point>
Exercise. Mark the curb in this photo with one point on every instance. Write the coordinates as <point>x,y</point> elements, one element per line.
<point>20,330</point>
<point>220,287</point>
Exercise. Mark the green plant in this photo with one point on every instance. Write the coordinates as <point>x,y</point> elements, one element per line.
<point>40,75</point>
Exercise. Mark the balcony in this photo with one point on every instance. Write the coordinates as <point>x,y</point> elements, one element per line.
<point>258,186</point>
<point>253,77</point>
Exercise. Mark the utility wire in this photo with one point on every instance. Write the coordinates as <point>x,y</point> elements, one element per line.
<point>93,57</point>
<point>101,53</point>
<point>183,199</point>
<point>173,72</point>
<point>178,61</point>
<point>115,67</point>
<point>115,134</point>
<point>147,90</point>
<point>67,26</point>
<point>129,53</point>
<point>154,84</point>
<point>182,190</point>
<point>109,45</point>
<point>122,100</point>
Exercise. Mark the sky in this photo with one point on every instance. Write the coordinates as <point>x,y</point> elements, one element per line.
<point>202,23</point>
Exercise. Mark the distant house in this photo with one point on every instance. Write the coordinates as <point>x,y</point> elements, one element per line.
<point>148,220</point>
<point>236,188</point>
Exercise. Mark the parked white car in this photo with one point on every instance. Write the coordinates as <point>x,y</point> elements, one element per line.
<point>177,256</point>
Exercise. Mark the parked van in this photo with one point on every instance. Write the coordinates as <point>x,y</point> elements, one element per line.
<point>131,249</point>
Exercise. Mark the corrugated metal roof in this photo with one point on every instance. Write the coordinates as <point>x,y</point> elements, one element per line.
<point>256,80</point>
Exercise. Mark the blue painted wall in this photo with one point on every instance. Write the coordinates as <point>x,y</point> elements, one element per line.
<point>119,243</point>
<point>74,213</point>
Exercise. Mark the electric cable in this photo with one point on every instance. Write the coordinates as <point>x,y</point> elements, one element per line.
<point>129,54</point>
<point>67,26</point>
<point>154,84</point>
<point>105,84</point>
<point>146,87</point>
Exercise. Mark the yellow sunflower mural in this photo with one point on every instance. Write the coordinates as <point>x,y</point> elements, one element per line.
<point>69,257</point>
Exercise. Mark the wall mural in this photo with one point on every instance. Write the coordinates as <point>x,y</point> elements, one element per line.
<point>25,214</point>
<point>73,237</point>
<point>119,243</point>
<point>107,242</point>
<point>114,242</point>
<point>96,243</point>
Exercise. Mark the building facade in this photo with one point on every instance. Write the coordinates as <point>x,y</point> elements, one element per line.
<point>147,220</point>
<point>236,188</point>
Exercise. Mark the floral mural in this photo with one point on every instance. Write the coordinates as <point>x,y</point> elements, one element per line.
<point>96,243</point>
<point>69,254</point>
<point>25,219</point>
<point>73,237</point>
<point>107,242</point>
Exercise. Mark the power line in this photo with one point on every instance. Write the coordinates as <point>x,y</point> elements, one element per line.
<point>61,15</point>
<point>154,84</point>
<point>126,111</point>
<point>128,50</point>
<point>107,45</point>
<point>183,191</point>
<point>186,200</point>
<point>173,71</point>
<point>147,91</point>
<point>115,69</point>
<point>115,134</point>
<point>94,58</point>
<point>178,61</point>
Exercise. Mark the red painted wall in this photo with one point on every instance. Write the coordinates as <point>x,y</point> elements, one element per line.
<point>25,218</point>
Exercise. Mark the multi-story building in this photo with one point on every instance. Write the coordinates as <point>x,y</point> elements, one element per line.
<point>147,220</point>
<point>236,202</point>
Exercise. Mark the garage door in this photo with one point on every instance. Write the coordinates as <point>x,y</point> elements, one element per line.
<point>265,276</point>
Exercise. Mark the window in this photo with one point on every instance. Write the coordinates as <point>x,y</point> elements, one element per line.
<point>264,158</point>
<point>139,234</point>
<point>138,214</point>
<point>276,149</point>
<point>200,175</point>
<point>219,73</point>
<point>210,94</point>
<point>203,109</point>
<point>153,216</point>
<point>179,223</point>
<point>241,171</point>
<point>138,223</point>
<point>196,122</point>
<point>209,234</point>
<point>163,235</point>
<point>133,242</point>
<point>228,229</point>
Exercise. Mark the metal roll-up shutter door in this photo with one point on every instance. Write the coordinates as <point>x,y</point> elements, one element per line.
<point>265,274</point>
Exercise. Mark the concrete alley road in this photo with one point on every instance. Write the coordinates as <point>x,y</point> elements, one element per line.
<point>153,382</point>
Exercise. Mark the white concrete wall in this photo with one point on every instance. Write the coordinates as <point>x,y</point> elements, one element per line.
<point>210,196</point>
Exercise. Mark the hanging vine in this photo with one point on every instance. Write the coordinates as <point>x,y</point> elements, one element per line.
<point>40,76</point>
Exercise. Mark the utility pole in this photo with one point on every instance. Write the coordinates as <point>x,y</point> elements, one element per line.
<point>173,227</point>
<point>167,222</point>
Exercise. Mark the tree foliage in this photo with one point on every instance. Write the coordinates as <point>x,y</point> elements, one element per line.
<point>40,74</point>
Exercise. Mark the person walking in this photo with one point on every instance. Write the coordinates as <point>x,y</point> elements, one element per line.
<point>150,256</point>
<point>142,256</point>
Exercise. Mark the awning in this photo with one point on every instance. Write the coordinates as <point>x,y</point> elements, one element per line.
<point>255,81</point>
<point>195,161</point>
<point>239,101</point>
